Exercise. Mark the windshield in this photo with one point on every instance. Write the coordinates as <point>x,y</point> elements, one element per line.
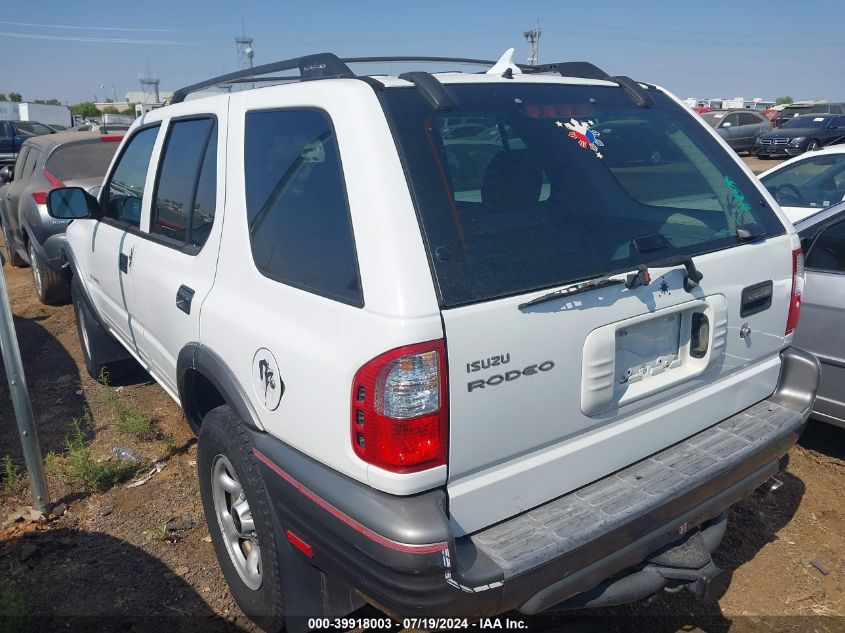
<point>554,183</point>
<point>713,118</point>
<point>81,160</point>
<point>806,122</point>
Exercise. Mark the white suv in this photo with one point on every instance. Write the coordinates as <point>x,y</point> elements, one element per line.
<point>453,343</point>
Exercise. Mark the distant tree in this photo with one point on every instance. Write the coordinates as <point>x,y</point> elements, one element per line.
<point>109,110</point>
<point>15,96</point>
<point>86,108</point>
<point>130,111</point>
<point>3,97</point>
<point>783,100</point>
<point>49,101</point>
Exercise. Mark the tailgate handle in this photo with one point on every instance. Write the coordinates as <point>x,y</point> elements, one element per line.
<point>756,298</point>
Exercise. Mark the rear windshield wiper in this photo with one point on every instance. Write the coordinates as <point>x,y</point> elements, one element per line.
<point>583,286</point>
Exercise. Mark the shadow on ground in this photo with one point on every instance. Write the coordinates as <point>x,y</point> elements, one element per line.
<point>116,587</point>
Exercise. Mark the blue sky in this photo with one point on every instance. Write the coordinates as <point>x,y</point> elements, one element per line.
<point>711,48</point>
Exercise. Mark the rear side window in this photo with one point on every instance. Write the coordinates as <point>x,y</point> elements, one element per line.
<point>29,165</point>
<point>184,203</point>
<point>123,195</point>
<point>828,253</point>
<point>299,224</point>
<point>20,162</point>
<point>81,160</point>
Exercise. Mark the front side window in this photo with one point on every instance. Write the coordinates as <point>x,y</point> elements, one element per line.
<point>29,165</point>
<point>299,224</point>
<point>814,182</point>
<point>828,252</point>
<point>530,186</point>
<point>184,203</point>
<point>123,194</point>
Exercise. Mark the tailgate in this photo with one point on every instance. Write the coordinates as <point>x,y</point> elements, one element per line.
<point>551,397</point>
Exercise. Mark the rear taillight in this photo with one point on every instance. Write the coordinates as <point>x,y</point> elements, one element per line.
<point>400,417</point>
<point>40,197</point>
<point>797,291</point>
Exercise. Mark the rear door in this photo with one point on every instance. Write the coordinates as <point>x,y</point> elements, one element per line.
<point>822,310</point>
<point>548,393</point>
<point>174,263</point>
<point>17,189</point>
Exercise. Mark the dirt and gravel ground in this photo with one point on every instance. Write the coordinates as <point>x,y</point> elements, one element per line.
<point>110,564</point>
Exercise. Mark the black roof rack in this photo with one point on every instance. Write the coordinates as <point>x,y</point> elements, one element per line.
<point>329,65</point>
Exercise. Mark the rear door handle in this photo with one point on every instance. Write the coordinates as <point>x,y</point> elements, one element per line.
<point>184,296</point>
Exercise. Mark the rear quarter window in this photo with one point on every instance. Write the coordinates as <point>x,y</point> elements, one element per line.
<point>299,225</point>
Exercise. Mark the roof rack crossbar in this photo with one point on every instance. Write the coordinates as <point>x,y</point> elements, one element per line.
<point>430,87</point>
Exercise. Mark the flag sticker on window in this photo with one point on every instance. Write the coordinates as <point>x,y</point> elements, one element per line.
<point>584,134</point>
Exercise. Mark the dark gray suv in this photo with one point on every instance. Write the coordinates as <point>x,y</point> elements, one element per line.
<point>44,163</point>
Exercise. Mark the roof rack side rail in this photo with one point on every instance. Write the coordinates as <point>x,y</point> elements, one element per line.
<point>432,89</point>
<point>318,66</point>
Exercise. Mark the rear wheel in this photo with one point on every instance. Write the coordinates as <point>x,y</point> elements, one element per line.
<point>49,284</point>
<point>238,514</point>
<point>14,259</point>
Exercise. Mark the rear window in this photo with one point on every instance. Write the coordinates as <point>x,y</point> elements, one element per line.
<point>524,187</point>
<point>82,160</point>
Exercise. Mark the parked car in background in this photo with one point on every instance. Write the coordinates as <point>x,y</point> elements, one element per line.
<point>806,184</point>
<point>804,133</point>
<point>14,133</point>
<point>740,128</point>
<point>823,307</point>
<point>46,162</point>
<point>800,109</point>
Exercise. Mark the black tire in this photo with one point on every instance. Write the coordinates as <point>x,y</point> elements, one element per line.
<point>812,146</point>
<point>224,436</point>
<point>102,354</point>
<point>14,258</point>
<point>49,284</point>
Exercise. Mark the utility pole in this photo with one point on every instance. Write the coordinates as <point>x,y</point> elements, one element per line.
<point>533,39</point>
<point>21,402</point>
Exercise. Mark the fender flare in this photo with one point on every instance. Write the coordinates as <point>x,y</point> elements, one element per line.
<point>196,357</point>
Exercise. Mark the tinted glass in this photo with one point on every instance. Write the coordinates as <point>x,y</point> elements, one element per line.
<point>177,179</point>
<point>19,163</point>
<point>31,128</point>
<point>814,182</point>
<point>29,166</point>
<point>81,160</point>
<point>713,118</point>
<point>299,223</point>
<point>731,119</point>
<point>569,177</point>
<point>125,191</point>
<point>806,122</point>
<point>746,118</point>
<point>205,203</point>
<point>828,252</point>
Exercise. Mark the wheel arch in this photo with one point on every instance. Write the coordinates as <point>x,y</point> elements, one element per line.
<point>205,381</point>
